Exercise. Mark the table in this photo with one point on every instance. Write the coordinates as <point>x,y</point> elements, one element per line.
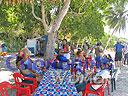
<point>48,86</point>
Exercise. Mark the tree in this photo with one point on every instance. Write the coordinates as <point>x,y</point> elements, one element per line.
<point>84,18</point>
<point>51,28</point>
<point>83,21</point>
<point>16,26</point>
<point>117,17</point>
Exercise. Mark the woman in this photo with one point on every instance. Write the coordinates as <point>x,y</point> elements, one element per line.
<point>24,64</point>
<point>66,50</point>
<point>80,55</point>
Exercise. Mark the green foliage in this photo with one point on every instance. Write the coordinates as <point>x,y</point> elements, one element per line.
<point>116,15</point>
<point>88,25</point>
<point>18,24</point>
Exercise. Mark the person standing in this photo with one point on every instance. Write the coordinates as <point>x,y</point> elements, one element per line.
<point>118,54</point>
<point>126,54</point>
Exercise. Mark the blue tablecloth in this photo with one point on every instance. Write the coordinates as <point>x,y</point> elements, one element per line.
<point>48,86</point>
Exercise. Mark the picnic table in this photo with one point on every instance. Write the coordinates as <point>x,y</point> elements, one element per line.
<point>49,87</point>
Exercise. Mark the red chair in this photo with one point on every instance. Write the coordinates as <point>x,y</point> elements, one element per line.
<point>98,92</point>
<point>4,86</point>
<point>22,91</point>
<point>19,78</point>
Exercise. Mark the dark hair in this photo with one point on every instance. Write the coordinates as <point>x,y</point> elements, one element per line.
<point>78,52</point>
<point>109,56</point>
<point>99,43</point>
<point>102,66</point>
<point>18,58</point>
<point>3,45</point>
<point>65,40</point>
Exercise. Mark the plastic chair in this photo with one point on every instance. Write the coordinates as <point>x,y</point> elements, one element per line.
<point>4,86</point>
<point>99,92</point>
<point>18,77</point>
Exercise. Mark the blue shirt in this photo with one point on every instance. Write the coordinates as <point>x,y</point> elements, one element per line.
<point>118,47</point>
<point>28,63</point>
<point>104,60</point>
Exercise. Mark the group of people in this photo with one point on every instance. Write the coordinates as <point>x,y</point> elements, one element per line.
<point>121,54</point>
<point>85,58</point>
<point>88,64</point>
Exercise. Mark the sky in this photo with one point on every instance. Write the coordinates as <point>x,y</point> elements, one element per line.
<point>121,34</point>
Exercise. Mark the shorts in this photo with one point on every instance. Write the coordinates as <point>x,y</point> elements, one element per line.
<point>118,56</point>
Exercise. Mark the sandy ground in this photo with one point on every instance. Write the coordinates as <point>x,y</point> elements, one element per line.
<point>122,83</point>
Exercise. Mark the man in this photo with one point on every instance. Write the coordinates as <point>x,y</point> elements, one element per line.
<point>118,54</point>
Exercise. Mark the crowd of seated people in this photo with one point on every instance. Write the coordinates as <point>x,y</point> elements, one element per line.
<point>84,68</point>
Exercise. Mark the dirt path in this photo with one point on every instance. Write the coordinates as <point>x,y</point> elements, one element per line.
<point>122,83</point>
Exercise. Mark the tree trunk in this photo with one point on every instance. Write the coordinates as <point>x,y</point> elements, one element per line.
<point>53,27</point>
<point>0,1</point>
<point>50,48</point>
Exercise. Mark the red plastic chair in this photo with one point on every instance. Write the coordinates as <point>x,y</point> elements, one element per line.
<point>4,86</point>
<point>18,77</point>
<point>22,91</point>
<point>98,92</point>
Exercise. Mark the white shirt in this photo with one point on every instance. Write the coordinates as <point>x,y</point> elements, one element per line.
<point>126,49</point>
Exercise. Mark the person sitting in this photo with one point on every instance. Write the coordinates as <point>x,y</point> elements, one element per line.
<point>97,81</point>
<point>57,61</point>
<point>24,64</point>
<point>98,53</point>
<point>80,82</point>
<point>80,59</point>
<point>61,56</point>
<point>66,49</point>
<point>80,55</point>
<point>39,67</point>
